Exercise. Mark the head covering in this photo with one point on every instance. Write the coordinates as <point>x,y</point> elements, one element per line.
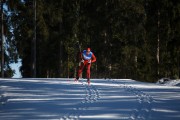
<point>88,49</point>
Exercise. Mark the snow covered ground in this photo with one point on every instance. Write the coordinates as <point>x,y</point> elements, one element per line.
<point>64,99</point>
<point>169,82</point>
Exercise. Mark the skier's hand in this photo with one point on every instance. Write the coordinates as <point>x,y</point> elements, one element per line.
<point>82,61</point>
<point>89,61</point>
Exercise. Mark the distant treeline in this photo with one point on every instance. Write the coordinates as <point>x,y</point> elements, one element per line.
<point>137,39</point>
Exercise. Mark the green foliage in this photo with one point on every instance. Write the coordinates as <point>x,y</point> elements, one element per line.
<point>122,34</point>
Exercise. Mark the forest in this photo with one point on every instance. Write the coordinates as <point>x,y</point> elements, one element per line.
<point>136,39</point>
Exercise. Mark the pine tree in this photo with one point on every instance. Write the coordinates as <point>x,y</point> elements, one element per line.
<point>131,39</point>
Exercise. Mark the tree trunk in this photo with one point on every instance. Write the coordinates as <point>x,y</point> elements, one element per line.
<point>158,40</point>
<point>2,40</point>
<point>34,44</point>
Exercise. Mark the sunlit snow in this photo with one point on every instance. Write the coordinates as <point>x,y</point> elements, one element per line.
<point>64,99</point>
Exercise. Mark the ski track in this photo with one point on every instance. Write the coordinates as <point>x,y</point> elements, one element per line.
<point>91,96</point>
<point>3,97</point>
<point>145,101</point>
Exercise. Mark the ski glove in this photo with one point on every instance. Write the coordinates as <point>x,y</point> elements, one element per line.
<point>82,61</point>
<point>89,61</point>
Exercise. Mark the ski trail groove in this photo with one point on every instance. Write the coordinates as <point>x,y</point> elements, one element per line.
<point>3,97</point>
<point>144,104</point>
<point>145,101</point>
<point>91,96</point>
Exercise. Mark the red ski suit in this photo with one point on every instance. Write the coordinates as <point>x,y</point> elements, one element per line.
<point>86,59</point>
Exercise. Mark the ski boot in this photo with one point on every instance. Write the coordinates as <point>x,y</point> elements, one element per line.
<point>76,79</point>
<point>88,81</point>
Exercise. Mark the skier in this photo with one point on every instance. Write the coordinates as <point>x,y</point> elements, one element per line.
<point>86,58</point>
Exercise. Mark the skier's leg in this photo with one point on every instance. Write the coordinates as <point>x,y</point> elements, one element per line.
<point>88,72</point>
<point>81,67</point>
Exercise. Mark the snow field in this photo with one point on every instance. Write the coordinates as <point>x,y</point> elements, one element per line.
<point>108,99</point>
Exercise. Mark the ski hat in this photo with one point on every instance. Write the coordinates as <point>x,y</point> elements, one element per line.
<point>88,49</point>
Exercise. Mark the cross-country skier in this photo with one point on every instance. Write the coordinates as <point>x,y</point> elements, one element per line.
<point>87,57</point>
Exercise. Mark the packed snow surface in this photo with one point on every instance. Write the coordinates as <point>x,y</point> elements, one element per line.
<point>108,99</point>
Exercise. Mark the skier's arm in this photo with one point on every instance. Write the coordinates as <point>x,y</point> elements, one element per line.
<point>81,58</point>
<point>93,59</point>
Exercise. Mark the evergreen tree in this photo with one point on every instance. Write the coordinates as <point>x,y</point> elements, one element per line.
<point>131,39</point>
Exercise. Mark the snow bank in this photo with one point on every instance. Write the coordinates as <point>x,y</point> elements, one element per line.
<point>169,82</point>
